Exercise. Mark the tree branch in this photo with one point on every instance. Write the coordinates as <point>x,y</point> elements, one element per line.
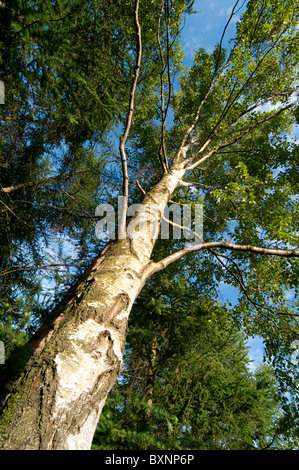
<point>124,137</point>
<point>230,102</point>
<point>160,265</point>
<point>162,151</point>
<point>46,266</point>
<point>193,183</point>
<point>259,307</point>
<point>76,201</point>
<point>15,215</point>
<point>40,181</point>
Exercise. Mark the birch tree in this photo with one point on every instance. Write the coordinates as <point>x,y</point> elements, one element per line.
<point>218,132</point>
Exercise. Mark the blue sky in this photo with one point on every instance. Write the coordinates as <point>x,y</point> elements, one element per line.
<point>204,29</point>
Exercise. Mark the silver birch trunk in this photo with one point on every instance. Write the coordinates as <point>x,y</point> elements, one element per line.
<point>57,401</point>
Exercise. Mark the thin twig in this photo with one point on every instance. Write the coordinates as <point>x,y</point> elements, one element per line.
<point>14,269</point>
<point>259,307</point>
<point>194,183</point>
<point>164,112</point>
<point>75,200</point>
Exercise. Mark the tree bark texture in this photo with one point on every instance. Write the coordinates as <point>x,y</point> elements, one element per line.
<point>57,401</point>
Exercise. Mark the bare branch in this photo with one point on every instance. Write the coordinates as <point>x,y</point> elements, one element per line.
<point>35,268</point>
<point>40,181</point>
<point>160,265</point>
<point>124,137</point>
<point>236,119</point>
<point>164,111</point>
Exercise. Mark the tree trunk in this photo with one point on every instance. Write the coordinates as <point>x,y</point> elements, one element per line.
<point>57,401</point>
